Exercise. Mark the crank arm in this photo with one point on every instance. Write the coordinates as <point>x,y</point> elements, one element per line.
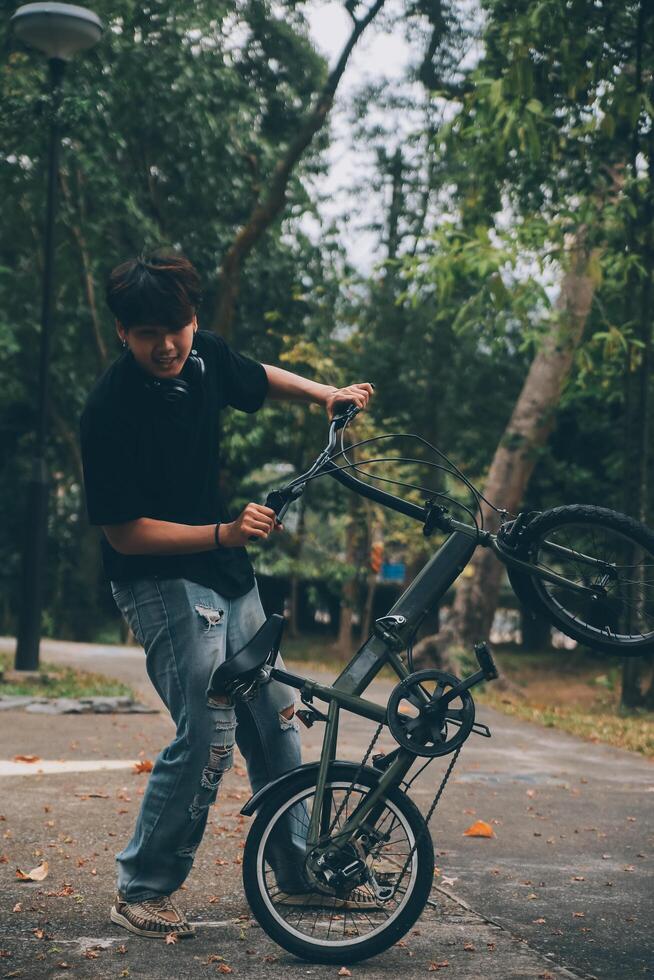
<point>488,672</point>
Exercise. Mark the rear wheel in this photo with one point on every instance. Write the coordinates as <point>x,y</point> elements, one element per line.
<point>325,931</point>
<point>608,553</point>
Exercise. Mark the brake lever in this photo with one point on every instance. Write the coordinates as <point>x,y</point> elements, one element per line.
<point>339,421</point>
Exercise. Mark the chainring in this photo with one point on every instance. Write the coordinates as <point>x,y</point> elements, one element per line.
<point>420,723</point>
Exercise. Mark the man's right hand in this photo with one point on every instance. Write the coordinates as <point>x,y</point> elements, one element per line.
<point>255,521</point>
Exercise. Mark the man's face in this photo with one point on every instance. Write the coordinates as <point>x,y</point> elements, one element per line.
<point>158,350</point>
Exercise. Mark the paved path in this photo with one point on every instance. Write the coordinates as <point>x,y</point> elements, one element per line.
<point>562,890</point>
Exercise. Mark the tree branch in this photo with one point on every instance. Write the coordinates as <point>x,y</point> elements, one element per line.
<point>267,209</point>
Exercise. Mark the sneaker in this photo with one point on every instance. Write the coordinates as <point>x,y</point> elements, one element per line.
<point>155,917</point>
<point>358,898</point>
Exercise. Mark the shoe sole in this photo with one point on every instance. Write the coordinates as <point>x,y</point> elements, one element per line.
<point>121,920</point>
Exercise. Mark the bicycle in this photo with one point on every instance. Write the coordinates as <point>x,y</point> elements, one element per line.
<point>584,568</point>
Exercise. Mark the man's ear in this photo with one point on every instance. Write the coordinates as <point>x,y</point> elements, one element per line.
<point>120,330</point>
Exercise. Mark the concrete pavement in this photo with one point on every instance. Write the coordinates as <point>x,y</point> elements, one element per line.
<point>562,890</point>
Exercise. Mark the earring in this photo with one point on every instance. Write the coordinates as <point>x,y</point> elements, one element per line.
<point>124,344</point>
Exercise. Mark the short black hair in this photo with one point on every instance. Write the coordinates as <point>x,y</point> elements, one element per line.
<point>159,288</point>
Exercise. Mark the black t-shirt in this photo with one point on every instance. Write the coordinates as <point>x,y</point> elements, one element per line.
<point>146,457</point>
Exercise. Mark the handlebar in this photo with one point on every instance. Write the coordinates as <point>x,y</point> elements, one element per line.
<point>430,516</point>
<point>281,500</point>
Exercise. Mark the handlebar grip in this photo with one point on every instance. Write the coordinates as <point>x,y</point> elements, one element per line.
<point>275,500</point>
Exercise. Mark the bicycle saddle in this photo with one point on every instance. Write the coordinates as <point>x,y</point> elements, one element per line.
<point>250,658</point>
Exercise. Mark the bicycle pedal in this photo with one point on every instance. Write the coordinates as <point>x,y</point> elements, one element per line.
<point>479,729</point>
<point>486,662</point>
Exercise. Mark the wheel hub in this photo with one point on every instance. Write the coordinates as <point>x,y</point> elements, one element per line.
<point>339,868</point>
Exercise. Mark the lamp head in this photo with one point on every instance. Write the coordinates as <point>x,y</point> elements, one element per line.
<point>59,30</point>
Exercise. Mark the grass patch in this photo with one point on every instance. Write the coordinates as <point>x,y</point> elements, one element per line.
<point>63,682</point>
<point>575,692</point>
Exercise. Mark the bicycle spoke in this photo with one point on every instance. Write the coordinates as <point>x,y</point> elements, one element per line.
<point>323,921</point>
<point>609,560</point>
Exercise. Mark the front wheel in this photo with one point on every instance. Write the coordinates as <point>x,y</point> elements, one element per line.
<point>608,553</point>
<point>394,847</point>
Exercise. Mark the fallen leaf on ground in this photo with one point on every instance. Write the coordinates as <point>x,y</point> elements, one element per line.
<point>91,954</point>
<point>171,938</point>
<point>448,881</point>
<point>62,892</point>
<point>438,966</point>
<point>479,829</point>
<point>27,758</point>
<point>223,968</point>
<point>92,796</point>
<point>36,874</point>
<point>17,907</point>
<point>344,972</point>
<point>469,947</point>
<point>145,765</point>
<point>121,949</point>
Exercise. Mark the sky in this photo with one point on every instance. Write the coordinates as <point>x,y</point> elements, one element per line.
<point>377,54</point>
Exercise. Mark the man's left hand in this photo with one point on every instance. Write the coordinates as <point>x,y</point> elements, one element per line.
<point>359,394</point>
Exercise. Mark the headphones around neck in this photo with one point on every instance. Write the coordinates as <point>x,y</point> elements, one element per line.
<point>173,390</point>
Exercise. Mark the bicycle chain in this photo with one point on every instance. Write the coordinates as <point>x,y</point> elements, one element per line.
<point>430,813</point>
<point>356,777</point>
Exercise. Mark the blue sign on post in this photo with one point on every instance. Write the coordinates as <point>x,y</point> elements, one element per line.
<point>393,571</point>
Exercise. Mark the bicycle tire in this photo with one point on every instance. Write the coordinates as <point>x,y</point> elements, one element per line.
<point>351,948</point>
<point>565,609</point>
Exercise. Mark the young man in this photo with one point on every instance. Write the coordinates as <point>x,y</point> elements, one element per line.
<point>178,568</point>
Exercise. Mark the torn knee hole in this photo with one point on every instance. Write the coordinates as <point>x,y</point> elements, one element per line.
<point>212,617</point>
<point>287,719</point>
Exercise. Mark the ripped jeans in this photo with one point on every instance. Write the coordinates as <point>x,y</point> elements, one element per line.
<point>186,630</point>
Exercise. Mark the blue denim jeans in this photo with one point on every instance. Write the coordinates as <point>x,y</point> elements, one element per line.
<point>186,631</point>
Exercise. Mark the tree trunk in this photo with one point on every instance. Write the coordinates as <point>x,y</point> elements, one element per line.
<point>527,431</point>
<point>293,625</point>
<point>375,536</point>
<point>536,632</point>
<point>638,368</point>
<point>350,588</point>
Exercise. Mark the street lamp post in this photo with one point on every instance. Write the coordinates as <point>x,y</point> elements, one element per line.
<point>59,30</point>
